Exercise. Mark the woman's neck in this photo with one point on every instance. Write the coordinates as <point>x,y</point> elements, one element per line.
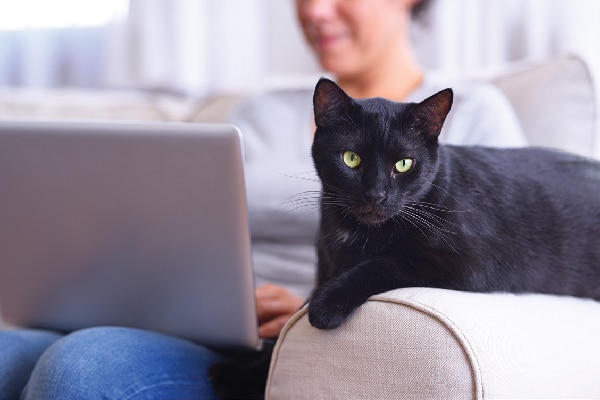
<point>395,78</point>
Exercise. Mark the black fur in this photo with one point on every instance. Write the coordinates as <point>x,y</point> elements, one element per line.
<point>244,378</point>
<point>463,218</point>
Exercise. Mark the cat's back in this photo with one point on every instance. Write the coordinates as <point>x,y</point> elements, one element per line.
<point>528,181</point>
<point>524,164</point>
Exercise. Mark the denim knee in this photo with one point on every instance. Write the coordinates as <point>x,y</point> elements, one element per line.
<point>121,363</point>
<point>19,352</point>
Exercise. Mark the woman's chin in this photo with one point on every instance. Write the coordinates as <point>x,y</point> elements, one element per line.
<point>341,64</point>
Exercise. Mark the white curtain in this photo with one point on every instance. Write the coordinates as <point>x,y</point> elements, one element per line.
<point>466,36</point>
<point>55,43</point>
<point>190,45</point>
<point>213,45</point>
<point>52,56</point>
<point>198,46</point>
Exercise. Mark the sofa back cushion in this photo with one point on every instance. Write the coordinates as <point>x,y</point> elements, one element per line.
<point>557,103</point>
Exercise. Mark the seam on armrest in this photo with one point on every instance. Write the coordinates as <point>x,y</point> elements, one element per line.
<point>454,329</point>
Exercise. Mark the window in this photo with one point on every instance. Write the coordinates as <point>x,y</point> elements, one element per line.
<point>25,14</point>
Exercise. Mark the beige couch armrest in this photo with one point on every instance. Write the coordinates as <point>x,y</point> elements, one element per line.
<point>421,343</point>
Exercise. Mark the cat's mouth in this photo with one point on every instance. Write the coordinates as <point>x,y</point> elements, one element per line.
<point>371,216</point>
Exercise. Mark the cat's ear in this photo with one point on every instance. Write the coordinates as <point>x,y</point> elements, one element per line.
<point>430,114</point>
<point>329,102</point>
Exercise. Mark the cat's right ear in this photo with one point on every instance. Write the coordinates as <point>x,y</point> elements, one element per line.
<point>329,102</point>
<point>430,114</point>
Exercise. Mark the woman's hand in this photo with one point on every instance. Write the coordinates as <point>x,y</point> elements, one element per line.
<point>275,305</point>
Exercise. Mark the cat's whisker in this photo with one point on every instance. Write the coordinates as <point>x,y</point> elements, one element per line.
<point>346,213</point>
<point>334,202</point>
<point>434,218</point>
<point>313,178</point>
<point>467,209</point>
<point>407,217</point>
<point>433,228</point>
<point>307,200</point>
<point>435,207</point>
<point>315,211</point>
<point>301,201</point>
<point>296,202</point>
<point>300,207</point>
<point>397,219</point>
<point>423,222</point>
<point>335,198</point>
<point>302,197</point>
<point>315,193</point>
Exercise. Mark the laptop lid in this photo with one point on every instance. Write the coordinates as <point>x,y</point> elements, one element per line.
<point>123,223</point>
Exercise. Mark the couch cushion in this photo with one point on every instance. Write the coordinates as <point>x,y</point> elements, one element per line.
<point>557,103</point>
<point>95,104</point>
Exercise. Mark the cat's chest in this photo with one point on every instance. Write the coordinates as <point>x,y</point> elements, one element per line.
<point>345,241</point>
<point>357,242</point>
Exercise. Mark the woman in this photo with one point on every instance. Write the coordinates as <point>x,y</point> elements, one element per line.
<point>365,45</point>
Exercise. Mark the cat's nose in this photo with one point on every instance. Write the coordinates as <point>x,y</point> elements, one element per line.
<point>376,196</point>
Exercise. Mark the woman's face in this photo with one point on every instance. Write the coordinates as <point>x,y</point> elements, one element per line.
<point>349,36</point>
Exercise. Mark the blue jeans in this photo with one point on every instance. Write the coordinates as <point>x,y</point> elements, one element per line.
<point>19,351</point>
<point>103,363</point>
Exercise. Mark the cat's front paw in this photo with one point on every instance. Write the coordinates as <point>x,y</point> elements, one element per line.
<point>328,309</point>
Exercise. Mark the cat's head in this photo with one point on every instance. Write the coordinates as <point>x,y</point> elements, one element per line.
<point>374,156</point>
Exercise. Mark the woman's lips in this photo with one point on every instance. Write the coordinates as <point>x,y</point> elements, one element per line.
<point>327,41</point>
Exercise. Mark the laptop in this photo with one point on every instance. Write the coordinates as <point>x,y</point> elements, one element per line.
<point>131,224</point>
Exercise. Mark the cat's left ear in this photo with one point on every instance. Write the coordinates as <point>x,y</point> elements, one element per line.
<point>330,101</point>
<point>430,114</point>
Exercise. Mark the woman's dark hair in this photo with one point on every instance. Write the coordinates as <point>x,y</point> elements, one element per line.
<point>420,9</point>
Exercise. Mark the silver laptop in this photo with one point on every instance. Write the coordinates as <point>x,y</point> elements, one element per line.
<point>130,224</point>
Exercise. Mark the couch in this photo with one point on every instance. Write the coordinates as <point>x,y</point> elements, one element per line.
<point>418,343</point>
<point>424,343</point>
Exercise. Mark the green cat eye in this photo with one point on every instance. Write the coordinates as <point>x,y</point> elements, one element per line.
<point>404,165</point>
<point>351,159</point>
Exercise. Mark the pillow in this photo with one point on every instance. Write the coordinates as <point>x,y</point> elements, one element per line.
<point>556,102</point>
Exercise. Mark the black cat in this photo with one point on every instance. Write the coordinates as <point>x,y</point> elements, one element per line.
<point>398,209</point>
